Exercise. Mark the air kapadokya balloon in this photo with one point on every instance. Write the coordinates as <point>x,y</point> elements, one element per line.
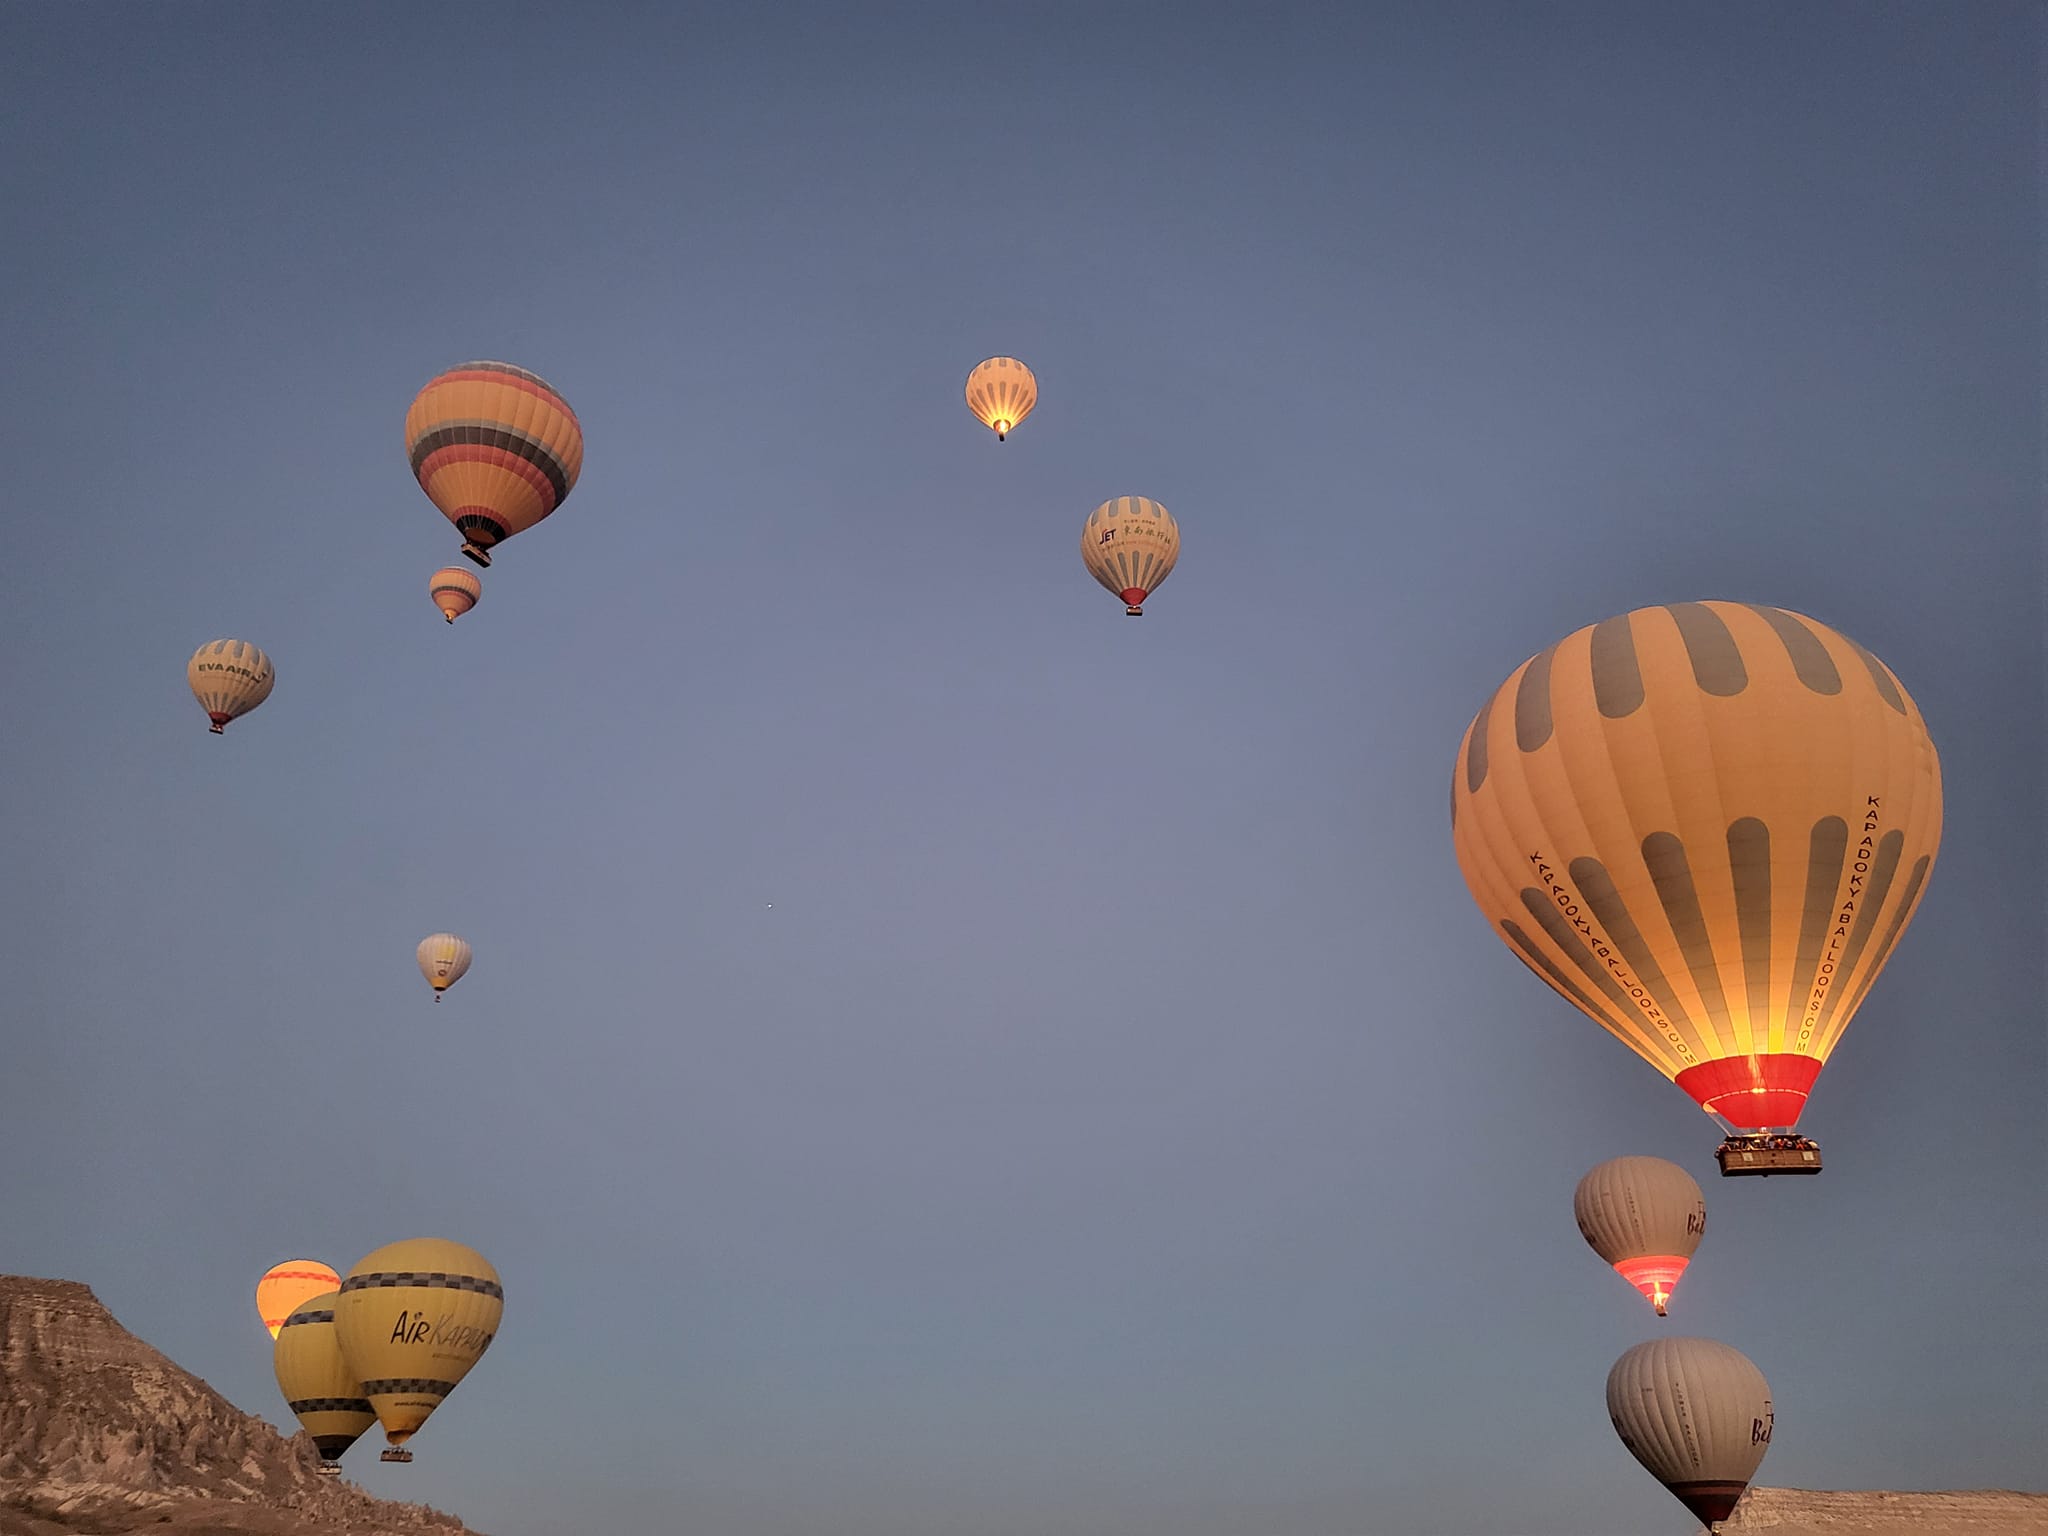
<point>455,591</point>
<point>285,1285</point>
<point>1001,392</point>
<point>412,1318</point>
<point>1645,1217</point>
<point>229,678</point>
<point>1697,1415</point>
<point>316,1382</point>
<point>495,448</point>
<point>1706,825</point>
<point>443,961</point>
<point>1130,544</point>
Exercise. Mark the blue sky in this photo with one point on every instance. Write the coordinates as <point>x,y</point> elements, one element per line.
<point>1122,1119</point>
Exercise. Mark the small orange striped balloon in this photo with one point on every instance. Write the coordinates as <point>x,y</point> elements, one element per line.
<point>285,1285</point>
<point>495,448</point>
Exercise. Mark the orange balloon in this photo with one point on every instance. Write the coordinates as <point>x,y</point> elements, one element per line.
<point>495,448</point>
<point>285,1285</point>
<point>1706,825</point>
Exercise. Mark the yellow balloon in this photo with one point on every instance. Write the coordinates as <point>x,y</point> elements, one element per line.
<point>412,1319</point>
<point>1706,825</point>
<point>1001,392</point>
<point>285,1285</point>
<point>316,1382</point>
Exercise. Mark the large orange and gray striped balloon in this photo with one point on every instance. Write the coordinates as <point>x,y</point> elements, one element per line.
<point>1645,1217</point>
<point>1697,1415</point>
<point>412,1318</point>
<point>495,448</point>
<point>1130,545</point>
<point>1001,392</point>
<point>229,678</point>
<point>1706,825</point>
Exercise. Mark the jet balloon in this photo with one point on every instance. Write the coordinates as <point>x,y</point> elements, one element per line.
<point>1130,544</point>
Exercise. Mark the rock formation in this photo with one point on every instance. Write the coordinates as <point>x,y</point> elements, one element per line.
<point>1803,1512</point>
<point>100,1433</point>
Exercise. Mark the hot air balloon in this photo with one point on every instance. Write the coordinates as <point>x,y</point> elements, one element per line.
<point>1697,1415</point>
<point>1645,1217</point>
<point>413,1317</point>
<point>316,1382</point>
<point>455,591</point>
<point>229,678</point>
<point>443,960</point>
<point>1001,392</point>
<point>1706,825</point>
<point>1130,545</point>
<point>285,1285</point>
<point>495,448</point>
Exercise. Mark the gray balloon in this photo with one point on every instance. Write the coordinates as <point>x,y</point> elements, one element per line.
<point>1645,1217</point>
<point>1697,1415</point>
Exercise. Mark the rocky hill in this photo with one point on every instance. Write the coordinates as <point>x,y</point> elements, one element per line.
<point>1802,1512</point>
<point>99,1433</point>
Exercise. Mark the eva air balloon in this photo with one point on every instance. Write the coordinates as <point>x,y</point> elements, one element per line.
<point>412,1318</point>
<point>495,448</point>
<point>228,678</point>
<point>1645,1217</point>
<point>1705,825</point>
<point>323,1394</point>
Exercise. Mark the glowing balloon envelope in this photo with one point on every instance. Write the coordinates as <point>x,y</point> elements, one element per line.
<point>285,1285</point>
<point>495,448</point>
<point>1130,544</point>
<point>1001,392</point>
<point>444,959</point>
<point>1706,825</point>
<point>1697,1415</point>
<point>455,591</point>
<point>1645,1217</point>
<point>229,678</point>
<point>316,1382</point>
<point>413,1317</point>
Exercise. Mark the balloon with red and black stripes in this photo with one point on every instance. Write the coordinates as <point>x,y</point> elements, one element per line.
<point>1705,825</point>
<point>496,448</point>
